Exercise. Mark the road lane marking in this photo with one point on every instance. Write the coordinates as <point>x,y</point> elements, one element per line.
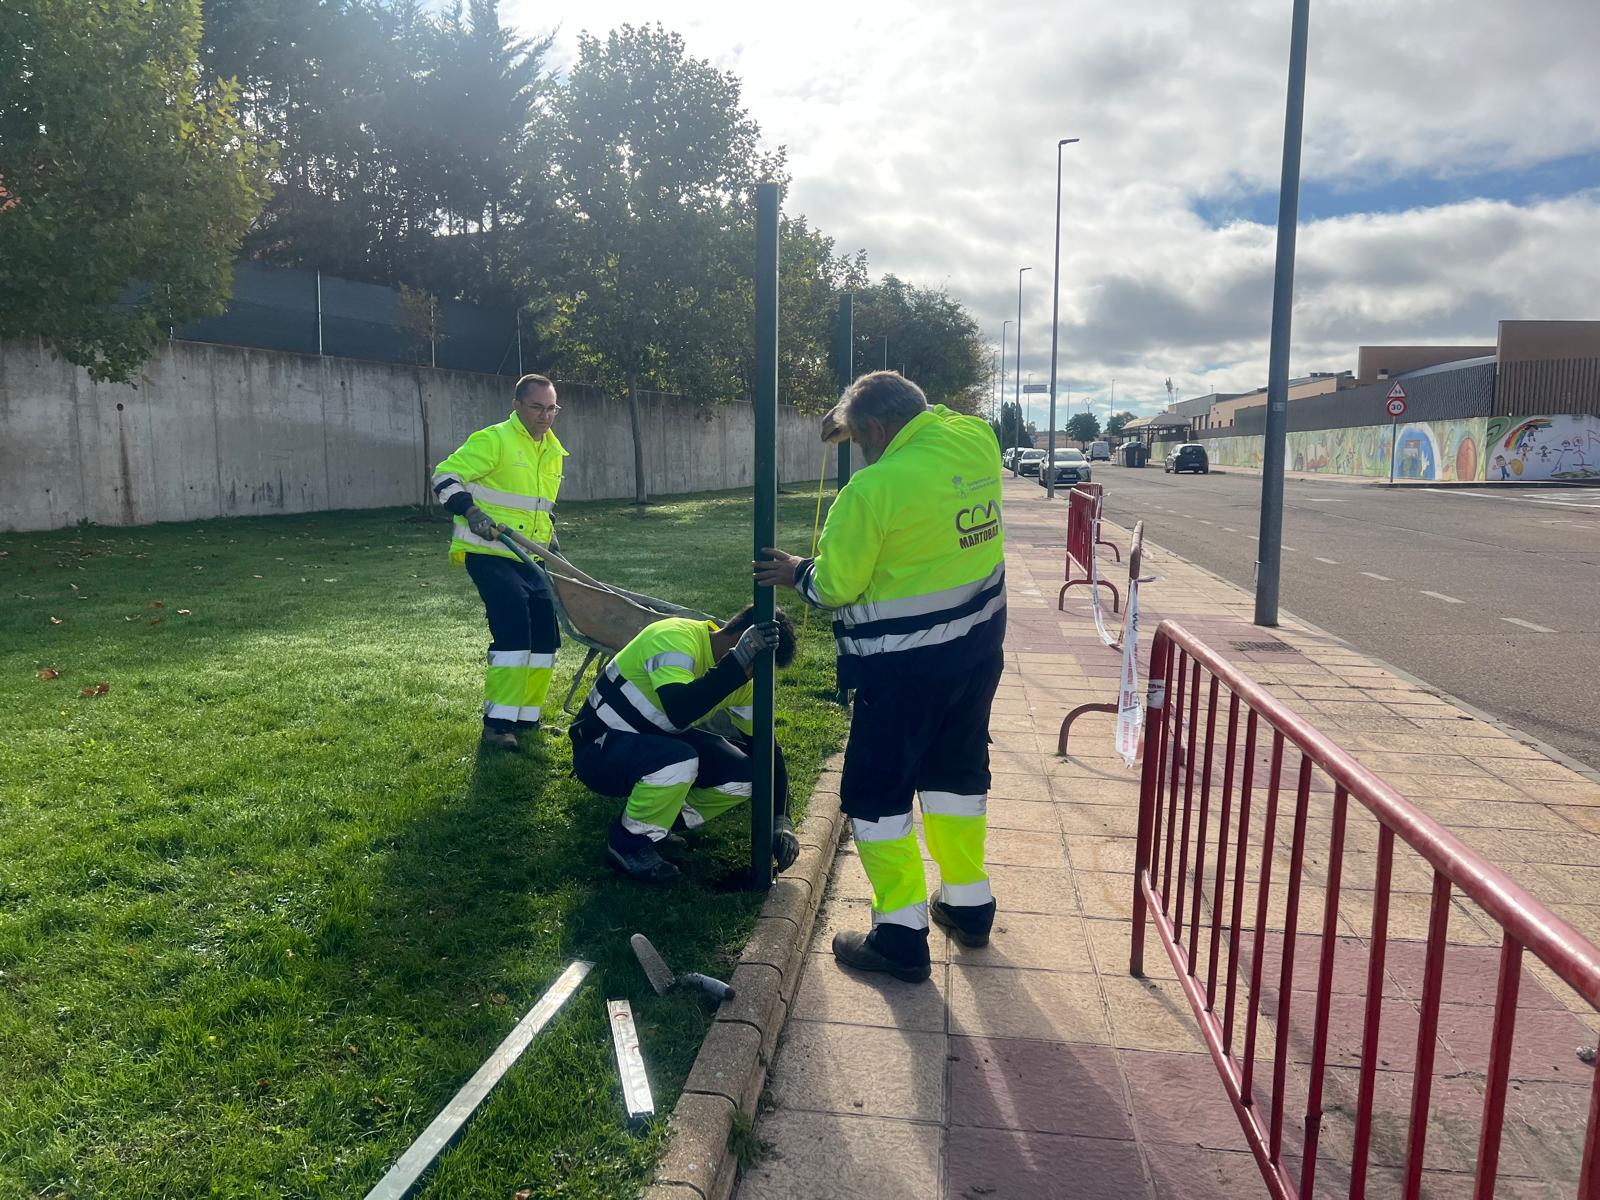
<point>1375,575</point>
<point>1253,537</point>
<point>1442,596</point>
<point>1332,562</point>
<point>1203,521</point>
<point>1560,503</point>
<point>1229,529</point>
<point>1327,499</point>
<point>1527,624</point>
<point>1291,550</point>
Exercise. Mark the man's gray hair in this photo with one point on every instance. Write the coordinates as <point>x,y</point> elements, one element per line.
<point>886,396</point>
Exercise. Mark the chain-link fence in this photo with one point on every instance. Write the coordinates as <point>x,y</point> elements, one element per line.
<point>307,312</point>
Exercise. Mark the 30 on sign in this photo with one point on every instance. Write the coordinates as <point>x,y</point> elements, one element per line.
<point>1397,401</point>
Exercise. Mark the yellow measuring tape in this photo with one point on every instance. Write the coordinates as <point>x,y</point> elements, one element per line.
<point>816,524</point>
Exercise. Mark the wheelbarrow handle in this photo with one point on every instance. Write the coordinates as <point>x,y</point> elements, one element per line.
<point>506,541</point>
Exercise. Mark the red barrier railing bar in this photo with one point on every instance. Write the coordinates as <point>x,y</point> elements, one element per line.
<point>1573,958</point>
<point>1494,1094</point>
<point>1378,947</point>
<point>1200,833</point>
<point>1280,1185</point>
<point>1178,754</point>
<point>1291,923</point>
<point>1246,791</point>
<point>1427,1037</point>
<point>1218,892</point>
<point>1319,1041</point>
<point>1188,804</point>
<point>1263,899</point>
<point>1589,1175</point>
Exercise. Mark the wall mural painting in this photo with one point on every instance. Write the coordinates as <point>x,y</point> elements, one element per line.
<point>1553,447</point>
<point>1428,450</point>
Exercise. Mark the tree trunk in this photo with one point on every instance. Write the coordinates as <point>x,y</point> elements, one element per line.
<point>640,496</point>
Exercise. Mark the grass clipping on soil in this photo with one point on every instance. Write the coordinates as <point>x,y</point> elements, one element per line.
<point>263,907</point>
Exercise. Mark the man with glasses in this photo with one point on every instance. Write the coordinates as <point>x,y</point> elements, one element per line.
<point>507,476</point>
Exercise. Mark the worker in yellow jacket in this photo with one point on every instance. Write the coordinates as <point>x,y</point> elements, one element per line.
<point>507,476</point>
<point>912,564</point>
<point>639,738</point>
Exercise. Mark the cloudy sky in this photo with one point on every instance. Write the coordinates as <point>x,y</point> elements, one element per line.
<point>1451,165</point>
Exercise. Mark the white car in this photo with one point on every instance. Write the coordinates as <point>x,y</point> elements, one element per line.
<point>1071,467</point>
<point>1027,463</point>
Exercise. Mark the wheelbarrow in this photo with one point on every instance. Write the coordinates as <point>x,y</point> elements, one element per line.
<point>601,618</point>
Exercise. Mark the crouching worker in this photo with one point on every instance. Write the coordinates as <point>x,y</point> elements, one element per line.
<point>635,738</point>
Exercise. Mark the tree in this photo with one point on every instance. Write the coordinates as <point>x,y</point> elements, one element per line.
<point>1011,429</point>
<point>655,164</point>
<point>1115,423</point>
<point>1083,427</point>
<point>930,334</point>
<point>121,169</point>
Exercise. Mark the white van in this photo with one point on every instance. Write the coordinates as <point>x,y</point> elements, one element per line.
<point>1099,451</point>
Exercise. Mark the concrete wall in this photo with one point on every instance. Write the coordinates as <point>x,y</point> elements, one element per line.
<point>225,431</point>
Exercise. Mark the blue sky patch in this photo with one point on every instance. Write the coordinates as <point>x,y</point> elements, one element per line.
<point>1321,199</point>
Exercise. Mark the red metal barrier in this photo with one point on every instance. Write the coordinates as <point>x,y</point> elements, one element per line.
<point>1098,491</point>
<point>1135,562</point>
<point>1192,683</point>
<point>1083,528</point>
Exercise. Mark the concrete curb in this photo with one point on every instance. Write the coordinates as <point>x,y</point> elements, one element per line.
<point>731,1068</point>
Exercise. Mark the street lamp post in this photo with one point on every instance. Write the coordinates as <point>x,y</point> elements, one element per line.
<point>1019,336</point>
<point>1055,329</point>
<point>1274,449</point>
<point>1004,325</point>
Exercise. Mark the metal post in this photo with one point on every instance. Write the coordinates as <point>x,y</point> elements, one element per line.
<point>1003,325</point>
<point>1055,329</point>
<point>1019,341</point>
<point>517,316</point>
<point>843,368</point>
<point>433,329</point>
<point>766,509</point>
<point>319,313</point>
<point>843,353</point>
<point>1394,429</point>
<point>1271,544</point>
<point>886,352</point>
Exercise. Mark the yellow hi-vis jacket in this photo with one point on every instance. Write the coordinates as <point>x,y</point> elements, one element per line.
<point>912,557</point>
<point>510,476</point>
<point>674,650</point>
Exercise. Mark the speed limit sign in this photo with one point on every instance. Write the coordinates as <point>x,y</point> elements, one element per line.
<point>1397,401</point>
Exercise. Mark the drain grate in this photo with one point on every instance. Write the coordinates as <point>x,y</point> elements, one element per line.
<point>1263,647</point>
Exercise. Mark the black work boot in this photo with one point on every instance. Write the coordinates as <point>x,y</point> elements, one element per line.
<point>637,857</point>
<point>500,739</point>
<point>969,924</point>
<point>891,949</point>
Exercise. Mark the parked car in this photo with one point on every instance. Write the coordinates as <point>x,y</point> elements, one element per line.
<point>1070,467</point>
<point>1191,456</point>
<point>1027,462</point>
<point>1099,451</point>
<point>1009,458</point>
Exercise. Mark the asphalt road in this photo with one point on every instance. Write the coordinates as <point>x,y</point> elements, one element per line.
<point>1490,595</point>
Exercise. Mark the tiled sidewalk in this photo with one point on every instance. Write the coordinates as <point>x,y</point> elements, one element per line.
<point>1038,1067</point>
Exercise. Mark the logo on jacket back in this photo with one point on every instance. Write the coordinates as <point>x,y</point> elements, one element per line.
<point>978,524</point>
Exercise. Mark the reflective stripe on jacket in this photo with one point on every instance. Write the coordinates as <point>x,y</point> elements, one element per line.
<point>509,475</point>
<point>912,557</point>
<point>674,650</point>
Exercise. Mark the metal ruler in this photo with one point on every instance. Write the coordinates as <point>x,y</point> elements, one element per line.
<point>630,1062</point>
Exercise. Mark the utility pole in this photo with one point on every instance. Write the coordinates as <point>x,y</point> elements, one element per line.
<point>1271,544</point>
<point>1055,329</point>
<point>1019,336</point>
<point>766,510</point>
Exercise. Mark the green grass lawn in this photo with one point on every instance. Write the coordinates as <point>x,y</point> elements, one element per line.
<point>263,907</point>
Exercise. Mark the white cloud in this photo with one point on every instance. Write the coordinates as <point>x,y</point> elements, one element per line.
<point>925,132</point>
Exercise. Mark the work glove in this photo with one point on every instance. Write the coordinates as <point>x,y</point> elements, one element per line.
<point>759,637</point>
<point>555,542</point>
<point>785,846</point>
<point>482,524</point>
